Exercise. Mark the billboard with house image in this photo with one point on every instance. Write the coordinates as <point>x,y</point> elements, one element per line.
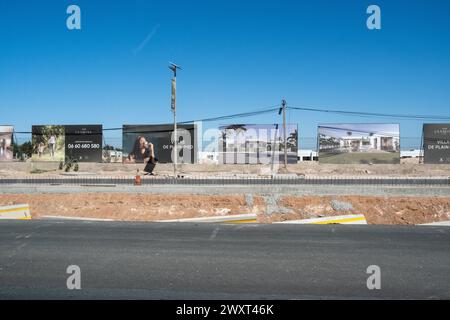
<point>359,143</point>
<point>257,143</point>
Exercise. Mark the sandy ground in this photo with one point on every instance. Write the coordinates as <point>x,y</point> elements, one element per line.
<point>408,167</point>
<point>377,210</point>
<point>123,206</point>
<point>150,207</point>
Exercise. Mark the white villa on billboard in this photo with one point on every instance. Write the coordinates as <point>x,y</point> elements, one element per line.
<point>356,138</point>
<point>371,142</point>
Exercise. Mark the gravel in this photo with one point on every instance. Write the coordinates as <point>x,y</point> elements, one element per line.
<point>341,205</point>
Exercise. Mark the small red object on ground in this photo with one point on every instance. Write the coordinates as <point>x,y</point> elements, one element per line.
<point>137,179</point>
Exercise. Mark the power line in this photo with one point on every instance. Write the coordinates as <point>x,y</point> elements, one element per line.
<point>237,115</point>
<point>373,114</point>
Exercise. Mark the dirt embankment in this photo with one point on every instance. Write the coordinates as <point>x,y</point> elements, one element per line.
<point>377,210</point>
<point>150,207</point>
<point>124,206</point>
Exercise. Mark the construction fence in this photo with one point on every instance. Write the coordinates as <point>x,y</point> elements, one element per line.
<point>300,181</point>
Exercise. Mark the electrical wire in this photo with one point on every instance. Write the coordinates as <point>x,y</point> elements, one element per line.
<point>237,115</point>
<point>275,108</point>
<point>374,114</point>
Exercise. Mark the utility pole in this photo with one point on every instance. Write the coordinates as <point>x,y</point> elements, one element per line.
<point>283,109</point>
<point>174,68</point>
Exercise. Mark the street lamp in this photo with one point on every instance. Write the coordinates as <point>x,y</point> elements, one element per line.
<point>173,105</point>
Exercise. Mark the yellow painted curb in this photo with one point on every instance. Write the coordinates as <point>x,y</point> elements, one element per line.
<point>340,220</point>
<point>241,221</point>
<point>343,219</point>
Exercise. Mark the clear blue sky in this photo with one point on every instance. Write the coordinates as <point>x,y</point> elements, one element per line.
<point>237,56</point>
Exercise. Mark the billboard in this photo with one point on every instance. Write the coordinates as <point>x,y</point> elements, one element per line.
<point>82,143</point>
<point>359,143</point>
<point>257,143</point>
<point>6,141</point>
<point>436,143</point>
<point>138,139</point>
<point>48,143</point>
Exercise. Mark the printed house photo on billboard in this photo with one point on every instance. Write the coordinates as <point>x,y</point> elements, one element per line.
<point>142,142</point>
<point>48,143</point>
<point>359,143</point>
<point>257,143</point>
<point>436,143</point>
<point>6,143</point>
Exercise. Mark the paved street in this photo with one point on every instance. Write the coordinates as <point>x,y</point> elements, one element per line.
<point>208,261</point>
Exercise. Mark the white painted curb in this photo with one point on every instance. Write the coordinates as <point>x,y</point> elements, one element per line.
<point>239,218</point>
<point>76,218</point>
<point>440,223</point>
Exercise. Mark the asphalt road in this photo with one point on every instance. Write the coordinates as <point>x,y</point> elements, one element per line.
<point>209,261</point>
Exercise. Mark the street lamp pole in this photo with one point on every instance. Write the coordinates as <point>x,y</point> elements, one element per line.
<point>174,68</point>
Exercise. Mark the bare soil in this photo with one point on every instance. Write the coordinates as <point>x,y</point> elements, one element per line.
<point>377,210</point>
<point>123,206</point>
<point>150,207</point>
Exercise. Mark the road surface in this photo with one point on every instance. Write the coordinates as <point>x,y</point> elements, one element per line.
<point>120,260</point>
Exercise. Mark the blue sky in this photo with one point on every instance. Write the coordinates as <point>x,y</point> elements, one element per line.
<point>236,56</point>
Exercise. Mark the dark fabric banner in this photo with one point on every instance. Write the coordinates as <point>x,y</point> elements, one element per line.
<point>82,143</point>
<point>436,143</point>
